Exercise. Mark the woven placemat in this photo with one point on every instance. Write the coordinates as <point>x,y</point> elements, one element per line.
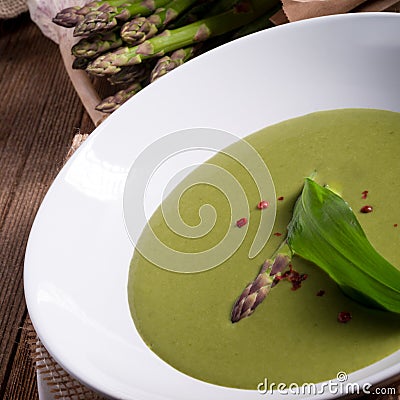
<point>61,385</point>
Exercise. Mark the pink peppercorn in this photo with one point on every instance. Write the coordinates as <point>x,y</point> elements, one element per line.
<point>241,222</point>
<point>366,209</point>
<point>344,317</point>
<point>262,204</point>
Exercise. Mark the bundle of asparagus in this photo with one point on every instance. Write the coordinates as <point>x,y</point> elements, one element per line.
<point>130,43</point>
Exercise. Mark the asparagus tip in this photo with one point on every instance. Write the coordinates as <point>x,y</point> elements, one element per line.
<point>255,293</point>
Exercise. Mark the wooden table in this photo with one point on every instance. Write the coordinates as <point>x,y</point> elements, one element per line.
<point>40,114</point>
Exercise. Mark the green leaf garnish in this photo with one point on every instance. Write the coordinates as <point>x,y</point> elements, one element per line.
<point>325,231</point>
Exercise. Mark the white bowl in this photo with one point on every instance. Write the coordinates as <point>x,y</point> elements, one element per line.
<point>78,253</point>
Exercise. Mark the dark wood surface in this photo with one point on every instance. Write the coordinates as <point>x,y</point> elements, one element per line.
<point>39,115</point>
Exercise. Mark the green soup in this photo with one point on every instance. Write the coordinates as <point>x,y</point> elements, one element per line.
<point>293,336</point>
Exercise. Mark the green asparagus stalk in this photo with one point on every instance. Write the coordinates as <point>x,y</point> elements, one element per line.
<point>69,17</point>
<point>72,16</point>
<point>206,9</point>
<point>195,13</point>
<point>255,292</point>
<point>170,40</point>
<point>97,44</point>
<point>209,8</point>
<point>137,30</point>
<point>111,103</point>
<point>168,63</point>
<point>140,29</point>
<point>131,74</point>
<point>107,16</point>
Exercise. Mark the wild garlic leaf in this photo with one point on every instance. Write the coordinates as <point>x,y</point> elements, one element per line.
<point>325,231</point>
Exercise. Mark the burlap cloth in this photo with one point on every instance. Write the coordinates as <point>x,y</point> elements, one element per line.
<point>63,386</point>
<point>12,8</point>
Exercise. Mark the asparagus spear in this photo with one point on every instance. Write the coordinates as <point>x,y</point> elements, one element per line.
<point>72,16</point>
<point>96,44</point>
<point>111,103</point>
<point>255,292</point>
<point>133,73</point>
<point>69,17</point>
<point>140,73</point>
<point>107,16</point>
<point>205,9</point>
<point>140,29</point>
<point>244,12</point>
<point>195,13</point>
<point>168,63</point>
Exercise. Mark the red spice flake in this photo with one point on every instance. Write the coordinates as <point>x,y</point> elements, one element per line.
<point>277,234</point>
<point>364,194</point>
<point>366,209</point>
<point>395,225</point>
<point>344,317</point>
<point>320,293</point>
<point>262,204</point>
<point>241,222</point>
<point>293,277</point>
<point>280,198</point>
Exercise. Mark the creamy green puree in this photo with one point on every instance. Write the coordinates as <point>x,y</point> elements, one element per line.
<point>293,336</point>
